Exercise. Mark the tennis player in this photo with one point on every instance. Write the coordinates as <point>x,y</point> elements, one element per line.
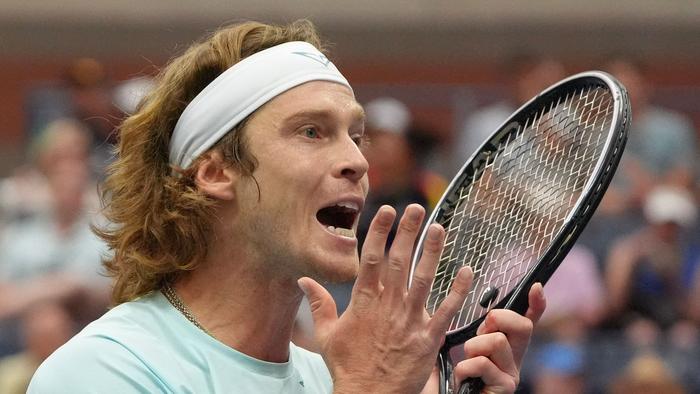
<point>237,189</point>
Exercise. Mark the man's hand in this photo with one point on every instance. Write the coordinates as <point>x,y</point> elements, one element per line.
<point>496,353</point>
<point>386,342</point>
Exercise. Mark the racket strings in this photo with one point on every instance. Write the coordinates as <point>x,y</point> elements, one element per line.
<point>506,218</point>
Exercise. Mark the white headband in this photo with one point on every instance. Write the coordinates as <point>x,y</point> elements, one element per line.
<point>241,90</point>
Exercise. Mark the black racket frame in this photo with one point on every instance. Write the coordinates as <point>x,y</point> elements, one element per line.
<point>517,299</point>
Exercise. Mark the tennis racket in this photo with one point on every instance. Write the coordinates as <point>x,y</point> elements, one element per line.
<point>520,202</point>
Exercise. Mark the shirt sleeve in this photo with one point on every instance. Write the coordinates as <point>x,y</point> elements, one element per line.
<point>95,365</point>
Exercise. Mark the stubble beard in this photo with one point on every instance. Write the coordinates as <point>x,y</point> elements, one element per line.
<point>278,256</point>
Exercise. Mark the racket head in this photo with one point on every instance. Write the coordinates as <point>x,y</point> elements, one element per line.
<point>525,195</point>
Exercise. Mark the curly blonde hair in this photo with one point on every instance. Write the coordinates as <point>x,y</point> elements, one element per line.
<point>159,220</point>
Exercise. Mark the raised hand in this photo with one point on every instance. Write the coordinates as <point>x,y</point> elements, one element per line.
<point>386,342</point>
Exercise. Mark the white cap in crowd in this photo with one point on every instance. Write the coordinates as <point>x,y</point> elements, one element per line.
<point>388,114</point>
<point>670,204</point>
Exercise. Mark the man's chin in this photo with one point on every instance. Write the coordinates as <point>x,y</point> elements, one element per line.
<point>338,273</point>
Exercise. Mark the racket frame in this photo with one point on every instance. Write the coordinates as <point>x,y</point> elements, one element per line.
<point>576,219</point>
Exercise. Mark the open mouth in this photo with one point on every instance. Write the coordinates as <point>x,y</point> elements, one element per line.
<point>339,218</point>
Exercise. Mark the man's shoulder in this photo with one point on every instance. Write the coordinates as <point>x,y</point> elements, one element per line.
<point>98,362</point>
<point>123,347</point>
<point>143,317</point>
<point>87,350</point>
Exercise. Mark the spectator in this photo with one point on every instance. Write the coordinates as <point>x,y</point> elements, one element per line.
<point>527,76</point>
<point>426,147</point>
<point>45,327</point>
<point>53,255</point>
<point>575,305</point>
<point>26,193</point>
<point>662,145</point>
<point>575,298</point>
<point>395,176</point>
<point>559,368</point>
<point>85,93</point>
<point>128,94</point>
<point>661,150</point>
<point>646,374</point>
<point>647,275</point>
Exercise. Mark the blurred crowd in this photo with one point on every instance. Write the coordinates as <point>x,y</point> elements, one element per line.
<point>623,310</point>
<point>51,280</point>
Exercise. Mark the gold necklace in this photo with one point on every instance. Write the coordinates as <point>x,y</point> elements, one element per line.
<point>176,302</point>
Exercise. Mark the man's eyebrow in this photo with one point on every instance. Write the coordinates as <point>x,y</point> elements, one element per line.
<point>307,114</point>
<point>358,112</point>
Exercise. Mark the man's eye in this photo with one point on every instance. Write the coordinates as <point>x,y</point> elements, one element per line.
<point>361,140</point>
<point>310,132</point>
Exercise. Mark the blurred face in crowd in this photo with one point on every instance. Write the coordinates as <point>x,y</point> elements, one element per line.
<point>64,159</point>
<point>667,231</point>
<point>300,208</point>
<point>633,81</point>
<point>63,140</point>
<point>68,181</point>
<point>391,161</point>
<point>534,78</point>
<point>46,327</point>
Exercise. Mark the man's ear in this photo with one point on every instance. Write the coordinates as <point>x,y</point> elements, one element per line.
<point>215,177</point>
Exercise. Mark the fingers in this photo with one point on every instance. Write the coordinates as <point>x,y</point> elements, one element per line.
<point>490,357</point>
<point>536,303</point>
<point>494,378</point>
<point>425,270</point>
<point>517,329</point>
<point>399,259</point>
<point>496,347</point>
<point>452,303</point>
<point>373,251</point>
<point>496,353</point>
<point>323,309</point>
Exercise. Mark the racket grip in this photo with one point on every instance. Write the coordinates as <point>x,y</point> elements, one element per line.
<point>471,386</point>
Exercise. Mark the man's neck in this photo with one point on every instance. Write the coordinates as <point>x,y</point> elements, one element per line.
<point>242,306</point>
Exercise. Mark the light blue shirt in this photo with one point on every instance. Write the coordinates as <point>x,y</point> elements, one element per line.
<point>147,346</point>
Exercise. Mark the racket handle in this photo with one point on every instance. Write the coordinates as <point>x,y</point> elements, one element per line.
<point>471,386</point>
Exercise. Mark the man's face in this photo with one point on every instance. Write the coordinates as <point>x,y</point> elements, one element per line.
<point>312,180</point>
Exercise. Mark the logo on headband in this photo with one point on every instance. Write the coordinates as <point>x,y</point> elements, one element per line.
<point>315,56</point>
